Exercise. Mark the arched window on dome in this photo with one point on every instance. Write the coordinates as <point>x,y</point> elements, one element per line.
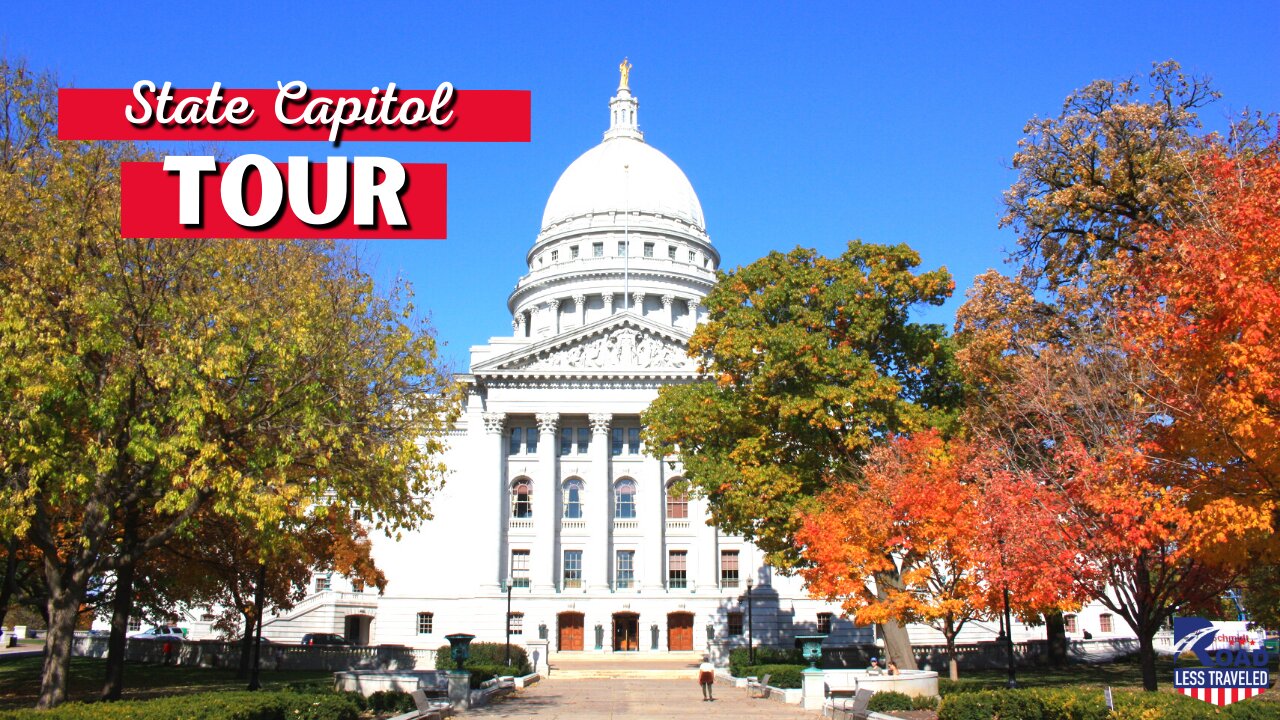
<point>624,499</point>
<point>573,499</point>
<point>522,498</point>
<point>677,500</point>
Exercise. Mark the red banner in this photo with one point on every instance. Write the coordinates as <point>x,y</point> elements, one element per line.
<point>477,116</point>
<point>151,204</point>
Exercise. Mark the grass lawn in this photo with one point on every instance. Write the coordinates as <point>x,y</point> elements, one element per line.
<point>20,680</point>
<point>1124,675</point>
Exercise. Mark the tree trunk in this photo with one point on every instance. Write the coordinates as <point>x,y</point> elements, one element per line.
<point>1147,658</point>
<point>64,610</point>
<point>258,597</point>
<point>121,608</point>
<point>897,643</point>
<point>246,645</point>
<point>10,578</point>
<point>952,666</point>
<point>1055,627</point>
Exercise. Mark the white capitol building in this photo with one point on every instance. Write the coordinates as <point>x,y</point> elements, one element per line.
<point>549,484</point>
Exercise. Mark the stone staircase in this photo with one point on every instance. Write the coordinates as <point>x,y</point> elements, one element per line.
<point>636,666</point>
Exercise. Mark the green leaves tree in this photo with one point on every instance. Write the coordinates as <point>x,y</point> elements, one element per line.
<point>811,362</point>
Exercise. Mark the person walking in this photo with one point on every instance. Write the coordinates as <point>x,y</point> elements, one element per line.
<point>707,678</point>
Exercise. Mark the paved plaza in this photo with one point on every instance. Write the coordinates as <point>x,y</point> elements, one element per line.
<point>595,688</point>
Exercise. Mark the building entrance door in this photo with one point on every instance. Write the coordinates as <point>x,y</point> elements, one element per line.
<point>680,631</point>
<point>569,631</point>
<point>626,632</point>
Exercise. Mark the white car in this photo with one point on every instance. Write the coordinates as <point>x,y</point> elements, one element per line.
<point>160,632</point>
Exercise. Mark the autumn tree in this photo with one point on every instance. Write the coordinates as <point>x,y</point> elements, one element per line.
<point>947,519</point>
<point>169,378</point>
<point>811,362</point>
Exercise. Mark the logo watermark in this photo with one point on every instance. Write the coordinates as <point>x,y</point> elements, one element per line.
<point>1233,661</point>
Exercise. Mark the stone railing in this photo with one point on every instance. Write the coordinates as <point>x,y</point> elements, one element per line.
<point>274,656</point>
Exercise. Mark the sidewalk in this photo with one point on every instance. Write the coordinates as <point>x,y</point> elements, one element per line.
<point>637,699</point>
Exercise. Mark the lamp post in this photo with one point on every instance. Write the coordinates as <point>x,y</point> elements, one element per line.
<point>1008,633</point>
<point>751,645</point>
<point>510,582</point>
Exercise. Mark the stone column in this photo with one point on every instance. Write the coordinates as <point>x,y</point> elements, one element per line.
<point>580,309</point>
<point>495,546</point>
<point>652,511</point>
<point>553,306</point>
<point>693,313</point>
<point>637,303</point>
<point>518,324</point>
<point>599,507</point>
<point>667,313</point>
<point>608,303</point>
<point>545,490</point>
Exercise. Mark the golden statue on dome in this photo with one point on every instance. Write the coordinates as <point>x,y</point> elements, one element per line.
<point>625,68</point>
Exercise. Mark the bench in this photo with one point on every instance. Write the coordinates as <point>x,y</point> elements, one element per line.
<point>759,689</point>
<point>857,708</point>
<point>424,709</point>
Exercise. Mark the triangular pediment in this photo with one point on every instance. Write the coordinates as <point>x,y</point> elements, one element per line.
<point>622,343</point>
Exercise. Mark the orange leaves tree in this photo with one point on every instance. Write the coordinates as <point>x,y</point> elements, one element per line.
<point>948,521</point>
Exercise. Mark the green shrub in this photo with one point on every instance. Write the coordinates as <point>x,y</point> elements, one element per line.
<point>391,701</point>
<point>887,700</point>
<point>781,675</point>
<point>237,705</point>
<point>487,653</point>
<point>1089,704</point>
<point>483,672</point>
<point>947,686</point>
<point>740,658</point>
<point>924,702</point>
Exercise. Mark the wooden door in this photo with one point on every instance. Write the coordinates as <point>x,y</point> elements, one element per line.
<point>626,631</point>
<point>570,631</point>
<point>680,632</point>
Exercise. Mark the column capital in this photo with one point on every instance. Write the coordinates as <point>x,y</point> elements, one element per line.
<point>600,423</point>
<point>494,421</point>
<point>667,300</point>
<point>608,300</point>
<point>548,422</point>
<point>579,300</point>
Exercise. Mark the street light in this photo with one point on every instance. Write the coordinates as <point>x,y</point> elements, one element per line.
<point>510,582</point>
<point>751,645</point>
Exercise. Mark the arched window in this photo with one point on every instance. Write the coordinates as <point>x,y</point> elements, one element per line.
<point>677,500</point>
<point>573,499</point>
<point>522,499</point>
<point>624,499</point>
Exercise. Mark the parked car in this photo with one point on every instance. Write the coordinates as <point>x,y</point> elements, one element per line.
<point>324,639</point>
<point>161,632</point>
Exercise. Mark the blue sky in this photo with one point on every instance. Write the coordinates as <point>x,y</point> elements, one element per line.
<point>807,125</point>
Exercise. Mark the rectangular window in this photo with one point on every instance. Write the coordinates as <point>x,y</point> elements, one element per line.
<point>555,255</point>
<point>516,441</point>
<point>616,448</point>
<point>677,574</point>
<point>671,252</point>
<point>622,249</point>
<point>648,249</point>
<point>135,624</point>
<point>1104,622</point>
<point>566,441</point>
<point>515,621</point>
<point>633,441</point>
<point>426,623</point>
<point>597,249</point>
<point>584,440</point>
<point>520,568</point>
<point>824,623</point>
<point>677,504</point>
<point>573,252</point>
<point>626,569</point>
<point>1070,622</point>
<point>357,586</point>
<point>729,568</point>
<point>573,568</point>
<point>531,440</point>
<point>735,624</point>
<point>322,583</point>
<point>692,256</point>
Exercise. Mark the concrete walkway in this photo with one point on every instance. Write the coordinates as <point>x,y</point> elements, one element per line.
<point>633,698</point>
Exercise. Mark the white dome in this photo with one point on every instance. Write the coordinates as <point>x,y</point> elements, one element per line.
<point>620,174</point>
